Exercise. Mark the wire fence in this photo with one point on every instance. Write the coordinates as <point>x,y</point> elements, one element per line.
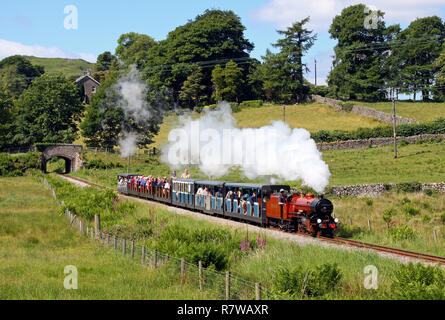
<point>215,284</point>
<point>151,151</point>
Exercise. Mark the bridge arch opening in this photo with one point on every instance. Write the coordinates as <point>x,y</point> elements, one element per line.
<point>71,154</point>
<point>58,164</point>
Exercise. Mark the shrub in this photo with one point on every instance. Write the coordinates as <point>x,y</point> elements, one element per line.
<point>12,165</point>
<point>388,214</point>
<point>430,192</point>
<point>251,103</point>
<point>99,164</point>
<point>418,282</point>
<point>235,107</point>
<point>314,282</point>
<point>198,109</point>
<point>401,233</point>
<point>408,187</point>
<point>442,218</point>
<point>409,210</point>
<point>403,143</point>
<point>346,106</point>
<point>369,202</point>
<point>426,218</point>
<point>319,90</point>
<point>405,200</point>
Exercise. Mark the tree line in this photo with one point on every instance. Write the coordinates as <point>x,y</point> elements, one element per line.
<point>208,60</point>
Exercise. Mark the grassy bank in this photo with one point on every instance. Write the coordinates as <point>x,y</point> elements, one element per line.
<point>36,244</point>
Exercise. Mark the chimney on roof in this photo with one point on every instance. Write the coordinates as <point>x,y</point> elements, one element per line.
<point>87,73</point>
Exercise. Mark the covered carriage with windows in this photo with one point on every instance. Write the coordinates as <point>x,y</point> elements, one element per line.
<point>183,192</point>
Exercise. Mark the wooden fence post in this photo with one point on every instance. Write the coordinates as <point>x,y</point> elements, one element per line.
<point>155,259</point>
<point>227,285</point>
<point>97,224</point>
<point>114,243</point>
<point>132,249</point>
<point>143,254</point>
<point>369,224</point>
<point>124,246</point>
<point>200,275</point>
<point>108,239</point>
<point>182,269</point>
<point>435,235</point>
<point>257,291</point>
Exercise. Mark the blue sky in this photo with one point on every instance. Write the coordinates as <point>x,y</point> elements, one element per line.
<point>37,27</point>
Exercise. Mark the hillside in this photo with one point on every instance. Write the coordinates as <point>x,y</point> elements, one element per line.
<point>69,67</point>
<point>310,116</point>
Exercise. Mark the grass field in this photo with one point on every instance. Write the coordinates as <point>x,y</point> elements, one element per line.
<point>416,162</point>
<point>69,67</point>
<point>420,111</point>
<point>419,212</point>
<point>36,244</point>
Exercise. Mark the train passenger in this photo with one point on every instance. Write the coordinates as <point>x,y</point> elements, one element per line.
<point>282,201</point>
<point>218,193</point>
<point>173,175</point>
<point>229,195</point>
<point>252,199</point>
<point>185,175</point>
<point>243,204</point>
<point>166,189</point>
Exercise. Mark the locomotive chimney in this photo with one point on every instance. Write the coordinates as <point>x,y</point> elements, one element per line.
<point>321,196</point>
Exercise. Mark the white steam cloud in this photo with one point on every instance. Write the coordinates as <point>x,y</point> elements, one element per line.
<point>132,91</point>
<point>275,151</point>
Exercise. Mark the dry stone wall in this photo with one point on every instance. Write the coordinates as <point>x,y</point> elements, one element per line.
<point>374,190</point>
<point>375,142</point>
<point>364,111</point>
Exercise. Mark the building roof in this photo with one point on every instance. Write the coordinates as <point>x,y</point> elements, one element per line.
<point>86,76</point>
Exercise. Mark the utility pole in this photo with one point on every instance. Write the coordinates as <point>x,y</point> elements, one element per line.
<point>315,72</point>
<point>394,122</point>
<point>284,113</point>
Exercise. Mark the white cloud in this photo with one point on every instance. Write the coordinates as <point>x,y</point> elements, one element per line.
<point>10,48</point>
<point>282,13</point>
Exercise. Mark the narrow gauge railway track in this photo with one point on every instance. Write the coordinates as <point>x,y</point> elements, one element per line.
<point>337,240</point>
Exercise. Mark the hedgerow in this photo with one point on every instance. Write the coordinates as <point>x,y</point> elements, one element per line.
<point>12,166</point>
<point>403,130</point>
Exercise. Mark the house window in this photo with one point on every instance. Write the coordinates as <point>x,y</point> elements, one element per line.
<point>93,89</point>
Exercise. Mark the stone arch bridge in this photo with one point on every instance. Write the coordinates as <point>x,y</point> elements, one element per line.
<point>71,153</point>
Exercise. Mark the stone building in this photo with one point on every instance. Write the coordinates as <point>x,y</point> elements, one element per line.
<point>89,85</point>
